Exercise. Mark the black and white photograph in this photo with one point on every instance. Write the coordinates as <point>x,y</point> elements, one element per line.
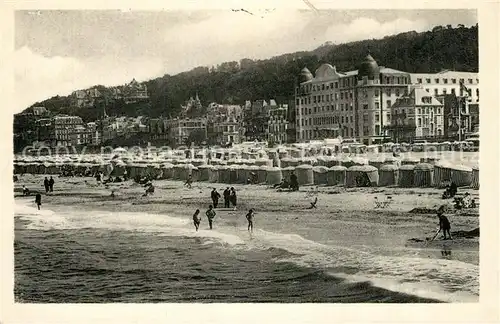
<point>247,155</point>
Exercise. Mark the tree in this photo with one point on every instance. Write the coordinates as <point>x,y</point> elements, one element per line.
<point>197,137</point>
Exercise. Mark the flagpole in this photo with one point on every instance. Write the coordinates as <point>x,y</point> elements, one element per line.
<point>460,120</point>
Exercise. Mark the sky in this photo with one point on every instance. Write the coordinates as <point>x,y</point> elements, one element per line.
<point>57,52</point>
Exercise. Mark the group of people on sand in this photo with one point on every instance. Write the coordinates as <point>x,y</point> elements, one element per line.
<point>229,197</point>
<point>48,184</point>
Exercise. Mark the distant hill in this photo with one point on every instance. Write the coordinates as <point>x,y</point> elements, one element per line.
<point>235,82</point>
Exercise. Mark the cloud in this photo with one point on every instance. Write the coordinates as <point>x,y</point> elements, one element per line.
<point>38,78</point>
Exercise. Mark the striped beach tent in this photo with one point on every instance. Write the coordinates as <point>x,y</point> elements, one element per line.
<point>475,177</point>
<point>388,175</point>
<point>336,175</point>
<point>424,175</point>
<point>406,176</point>
<point>305,174</point>
<point>442,174</point>
<point>461,175</point>
<point>361,176</point>
<point>273,176</point>
<point>320,174</point>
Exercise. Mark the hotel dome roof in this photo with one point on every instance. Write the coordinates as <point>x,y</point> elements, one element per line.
<point>368,68</point>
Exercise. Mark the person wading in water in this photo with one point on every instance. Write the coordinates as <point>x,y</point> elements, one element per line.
<point>38,200</point>
<point>210,215</point>
<point>250,217</point>
<point>197,219</point>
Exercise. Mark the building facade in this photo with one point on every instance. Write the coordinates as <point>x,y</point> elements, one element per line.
<point>354,104</point>
<point>64,128</point>
<point>448,82</point>
<point>180,128</point>
<point>417,115</point>
<point>278,124</point>
<point>358,104</point>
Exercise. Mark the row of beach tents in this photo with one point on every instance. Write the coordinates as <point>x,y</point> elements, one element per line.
<point>348,172</point>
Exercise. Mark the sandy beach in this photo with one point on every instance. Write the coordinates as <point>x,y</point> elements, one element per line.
<point>345,236</point>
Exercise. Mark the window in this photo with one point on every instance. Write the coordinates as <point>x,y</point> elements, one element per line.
<point>331,85</point>
<point>365,118</point>
<point>377,118</point>
<point>461,81</point>
<point>428,80</point>
<point>470,81</point>
<point>419,80</point>
<point>377,105</point>
<point>426,110</point>
<point>336,96</point>
<point>453,91</point>
<point>341,107</point>
<point>323,86</point>
<point>477,92</point>
<point>428,90</point>
<point>419,122</point>
<point>388,117</point>
<point>438,110</point>
<point>341,95</point>
<point>437,81</point>
<point>350,94</point>
<point>445,81</point>
<point>342,119</point>
<point>377,129</point>
<point>454,81</point>
<point>377,92</point>
<point>351,105</point>
<point>435,92</point>
<point>389,103</point>
<point>336,85</point>
<point>444,91</point>
<point>388,91</point>
<point>365,106</point>
<point>397,92</point>
<point>351,119</point>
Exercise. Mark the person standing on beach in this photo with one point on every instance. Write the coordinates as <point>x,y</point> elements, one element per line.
<point>51,184</point>
<point>250,215</point>
<point>232,197</point>
<point>196,219</point>
<point>46,184</point>
<point>215,197</point>
<point>444,223</point>
<point>210,215</point>
<point>38,200</point>
<point>227,194</point>
<point>189,181</point>
<point>294,183</point>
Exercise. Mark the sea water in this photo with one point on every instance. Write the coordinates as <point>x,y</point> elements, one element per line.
<point>78,255</point>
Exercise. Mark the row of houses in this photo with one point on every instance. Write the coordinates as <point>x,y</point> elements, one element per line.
<point>130,92</point>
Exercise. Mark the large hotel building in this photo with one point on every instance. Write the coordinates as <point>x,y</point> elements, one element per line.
<point>358,104</point>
